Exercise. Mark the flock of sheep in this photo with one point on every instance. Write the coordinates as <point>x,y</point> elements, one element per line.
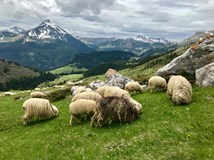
<point>108,103</point>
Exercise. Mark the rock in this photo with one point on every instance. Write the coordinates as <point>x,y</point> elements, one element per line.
<point>110,73</point>
<point>114,80</point>
<point>96,84</point>
<point>194,58</point>
<point>118,80</point>
<point>205,75</point>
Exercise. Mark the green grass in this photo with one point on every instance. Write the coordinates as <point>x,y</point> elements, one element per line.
<point>67,70</point>
<point>64,79</point>
<point>163,131</point>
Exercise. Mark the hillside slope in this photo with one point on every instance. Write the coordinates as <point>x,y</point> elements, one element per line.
<point>16,76</point>
<point>163,131</point>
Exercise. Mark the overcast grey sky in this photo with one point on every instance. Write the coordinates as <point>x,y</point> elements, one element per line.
<point>172,19</point>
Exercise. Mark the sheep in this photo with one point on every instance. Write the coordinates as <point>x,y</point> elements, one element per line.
<point>88,90</point>
<point>81,107</point>
<point>133,86</point>
<point>180,90</point>
<point>39,108</point>
<point>110,109</point>
<point>157,82</point>
<point>137,105</point>
<point>87,95</point>
<point>8,94</point>
<point>79,89</point>
<point>37,94</point>
<point>69,83</point>
<point>109,91</point>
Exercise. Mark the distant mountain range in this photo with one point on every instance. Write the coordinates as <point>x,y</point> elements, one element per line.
<point>137,45</point>
<point>43,47</point>
<point>48,46</point>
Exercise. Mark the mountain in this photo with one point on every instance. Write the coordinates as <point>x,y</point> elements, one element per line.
<point>100,57</point>
<point>151,40</point>
<point>44,47</point>
<point>94,42</point>
<point>16,76</point>
<point>137,45</point>
<point>11,35</point>
<point>194,38</point>
<point>17,30</point>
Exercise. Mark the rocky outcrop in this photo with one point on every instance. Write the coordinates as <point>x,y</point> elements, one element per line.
<point>205,75</point>
<point>96,84</point>
<point>115,79</point>
<point>194,58</point>
<point>110,73</point>
<point>118,80</point>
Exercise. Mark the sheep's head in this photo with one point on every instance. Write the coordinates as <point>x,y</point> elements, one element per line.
<point>181,97</point>
<point>55,110</point>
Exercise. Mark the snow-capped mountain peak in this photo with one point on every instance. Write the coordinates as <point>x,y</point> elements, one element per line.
<point>151,40</point>
<point>47,30</point>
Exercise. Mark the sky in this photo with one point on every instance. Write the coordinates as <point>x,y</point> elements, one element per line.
<point>174,20</point>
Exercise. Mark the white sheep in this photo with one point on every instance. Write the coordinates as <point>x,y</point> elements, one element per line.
<point>133,87</point>
<point>79,89</point>
<point>137,105</point>
<point>69,83</point>
<point>88,90</point>
<point>109,91</point>
<point>157,82</point>
<point>179,89</point>
<point>81,107</point>
<point>39,108</point>
<point>87,95</point>
<point>37,94</point>
<point>8,94</point>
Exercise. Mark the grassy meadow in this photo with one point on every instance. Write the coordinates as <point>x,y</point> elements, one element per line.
<point>164,131</point>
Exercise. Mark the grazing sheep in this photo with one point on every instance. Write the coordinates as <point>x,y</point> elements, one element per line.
<point>137,105</point>
<point>180,90</point>
<point>81,107</point>
<point>79,89</point>
<point>110,91</point>
<point>133,87</point>
<point>88,90</point>
<point>39,108</point>
<point>69,83</point>
<point>8,94</point>
<point>157,82</point>
<point>87,95</point>
<point>114,109</point>
<point>37,94</point>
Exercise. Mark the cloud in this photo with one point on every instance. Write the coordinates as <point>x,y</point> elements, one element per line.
<point>173,19</point>
<point>76,7</point>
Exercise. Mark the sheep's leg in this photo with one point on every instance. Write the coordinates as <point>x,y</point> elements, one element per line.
<point>93,118</point>
<point>98,121</point>
<point>71,121</point>
<point>75,117</point>
<point>72,118</point>
<point>110,121</point>
<point>119,117</point>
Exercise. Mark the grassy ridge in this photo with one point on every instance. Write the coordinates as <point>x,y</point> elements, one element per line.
<point>68,70</point>
<point>163,131</point>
